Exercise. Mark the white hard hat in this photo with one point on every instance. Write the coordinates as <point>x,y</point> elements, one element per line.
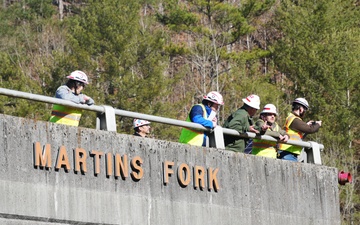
<point>302,101</point>
<point>139,123</point>
<point>269,108</point>
<point>215,97</point>
<point>79,76</point>
<point>253,101</point>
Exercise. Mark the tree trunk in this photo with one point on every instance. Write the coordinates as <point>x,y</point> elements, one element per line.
<point>61,10</point>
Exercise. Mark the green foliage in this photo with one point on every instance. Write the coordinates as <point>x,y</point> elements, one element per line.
<point>126,56</point>
<point>319,54</point>
<point>21,27</point>
<point>12,78</point>
<point>175,50</point>
<point>319,58</point>
<point>214,27</point>
<point>42,8</point>
<point>178,17</point>
<point>253,8</point>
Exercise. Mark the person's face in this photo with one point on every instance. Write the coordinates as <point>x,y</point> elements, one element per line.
<point>215,107</point>
<point>252,111</point>
<point>80,87</point>
<point>145,129</point>
<point>302,111</point>
<point>270,117</point>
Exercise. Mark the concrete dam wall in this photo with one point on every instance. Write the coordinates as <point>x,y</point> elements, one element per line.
<point>56,174</point>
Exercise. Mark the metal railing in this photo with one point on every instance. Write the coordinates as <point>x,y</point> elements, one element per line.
<point>106,121</point>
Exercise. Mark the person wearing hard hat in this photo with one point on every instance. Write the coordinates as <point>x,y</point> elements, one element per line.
<point>242,121</point>
<point>297,128</point>
<point>267,126</point>
<point>71,91</point>
<point>141,127</point>
<point>203,114</point>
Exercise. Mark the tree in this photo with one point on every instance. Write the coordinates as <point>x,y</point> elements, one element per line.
<point>318,54</point>
<point>25,45</point>
<point>123,56</point>
<point>207,45</point>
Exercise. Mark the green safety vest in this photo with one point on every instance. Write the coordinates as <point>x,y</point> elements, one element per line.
<point>294,135</point>
<point>192,137</point>
<point>65,115</point>
<point>264,147</point>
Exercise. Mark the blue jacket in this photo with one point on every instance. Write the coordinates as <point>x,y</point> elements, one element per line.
<point>196,116</point>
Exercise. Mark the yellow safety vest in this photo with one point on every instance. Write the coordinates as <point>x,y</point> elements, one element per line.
<point>192,137</point>
<point>294,135</point>
<point>264,147</point>
<point>65,115</point>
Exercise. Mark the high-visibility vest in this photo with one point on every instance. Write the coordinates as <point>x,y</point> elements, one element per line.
<point>264,147</point>
<point>192,137</point>
<point>65,115</point>
<point>294,135</point>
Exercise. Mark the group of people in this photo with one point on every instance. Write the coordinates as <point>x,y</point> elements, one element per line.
<point>242,121</point>
<point>205,114</point>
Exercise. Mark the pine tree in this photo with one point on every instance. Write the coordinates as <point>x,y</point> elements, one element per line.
<point>318,54</point>
<point>124,57</point>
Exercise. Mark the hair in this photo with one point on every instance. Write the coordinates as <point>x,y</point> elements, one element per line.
<point>245,106</point>
<point>73,83</point>
<point>136,129</point>
<point>207,102</point>
<point>296,106</point>
<point>262,116</point>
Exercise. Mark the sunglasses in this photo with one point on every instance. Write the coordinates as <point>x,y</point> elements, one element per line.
<point>270,114</point>
<point>81,84</point>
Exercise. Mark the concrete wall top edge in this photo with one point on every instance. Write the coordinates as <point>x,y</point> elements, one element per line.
<point>159,174</point>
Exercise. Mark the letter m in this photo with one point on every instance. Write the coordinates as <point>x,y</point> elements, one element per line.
<point>42,157</point>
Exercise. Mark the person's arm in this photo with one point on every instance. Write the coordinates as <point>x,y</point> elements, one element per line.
<point>88,100</point>
<point>259,126</point>
<point>303,127</point>
<point>65,93</point>
<point>239,123</point>
<point>272,133</point>
<point>196,116</point>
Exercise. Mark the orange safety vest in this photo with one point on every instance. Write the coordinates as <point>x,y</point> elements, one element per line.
<point>192,137</point>
<point>264,147</point>
<point>294,135</point>
<point>65,115</point>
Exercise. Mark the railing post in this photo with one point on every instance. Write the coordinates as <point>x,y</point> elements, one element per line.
<point>207,141</point>
<point>106,121</point>
<point>313,153</point>
<point>303,157</point>
<point>216,138</point>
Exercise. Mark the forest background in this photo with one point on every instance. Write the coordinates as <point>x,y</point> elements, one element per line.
<point>160,57</point>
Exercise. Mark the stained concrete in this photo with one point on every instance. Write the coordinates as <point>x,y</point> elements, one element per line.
<point>252,190</point>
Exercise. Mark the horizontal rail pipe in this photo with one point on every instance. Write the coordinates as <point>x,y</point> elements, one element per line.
<point>158,119</point>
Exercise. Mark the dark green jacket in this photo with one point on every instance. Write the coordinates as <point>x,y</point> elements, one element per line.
<point>240,121</point>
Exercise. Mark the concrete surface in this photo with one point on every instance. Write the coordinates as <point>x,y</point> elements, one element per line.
<point>252,190</point>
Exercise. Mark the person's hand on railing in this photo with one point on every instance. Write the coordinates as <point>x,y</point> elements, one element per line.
<point>252,129</point>
<point>90,101</point>
<point>87,100</point>
<point>284,138</point>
